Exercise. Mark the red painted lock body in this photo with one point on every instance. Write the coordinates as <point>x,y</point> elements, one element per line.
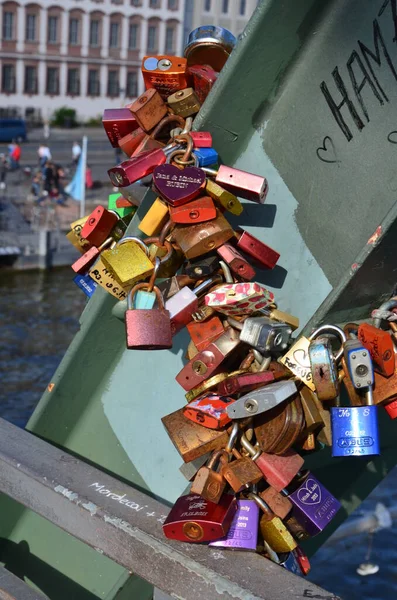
<point>204,78</point>
<point>118,122</point>
<point>147,329</point>
<point>194,519</point>
<point>391,409</point>
<point>246,185</point>
<point>302,560</point>
<point>122,202</point>
<point>380,345</point>
<point>98,226</point>
<point>263,254</point>
<point>201,139</point>
<point>130,142</point>
<point>237,263</point>
<point>279,469</point>
<point>197,211</point>
<point>245,382</point>
<point>82,264</point>
<point>209,410</point>
<point>209,361</point>
<point>136,168</point>
<point>203,333</point>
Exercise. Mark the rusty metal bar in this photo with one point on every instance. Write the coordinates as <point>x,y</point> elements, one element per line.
<point>125,525</point>
<point>13,588</point>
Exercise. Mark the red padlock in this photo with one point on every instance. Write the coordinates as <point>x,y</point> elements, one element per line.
<point>130,142</point>
<point>201,139</point>
<point>380,346</point>
<point>246,185</point>
<point>245,382</point>
<point>209,410</point>
<point>118,122</point>
<point>98,226</point>
<point>122,202</point>
<point>204,332</point>
<point>236,262</point>
<point>204,78</point>
<point>194,519</point>
<point>391,409</point>
<point>248,243</point>
<point>197,211</point>
<point>136,168</point>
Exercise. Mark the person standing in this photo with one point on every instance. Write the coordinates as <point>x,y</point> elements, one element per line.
<point>15,156</point>
<point>3,171</point>
<point>44,155</point>
<point>76,153</point>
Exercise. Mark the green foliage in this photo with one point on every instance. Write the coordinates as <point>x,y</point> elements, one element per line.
<point>64,117</point>
<point>94,122</point>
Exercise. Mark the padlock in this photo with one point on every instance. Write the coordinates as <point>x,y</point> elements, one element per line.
<point>323,368</point>
<point>391,409</point>
<point>106,279</point>
<point>209,361</point>
<point>314,420</point>
<point>239,298</point>
<point>98,226</point>
<point>74,236</point>
<point>122,211</point>
<point>209,44</point>
<point>203,334</point>
<point>152,141</point>
<point>226,199</point>
<point>204,78</point>
<point>243,532</point>
<point>130,142</point>
<point>201,267</point>
<point>209,483</point>
<point>277,470</point>
<point>85,283</point>
<point>117,123</point>
<point>195,240</point>
<point>167,74</point>
<point>278,503</point>
<point>380,346</point>
<point>355,429</point>
<point>184,102</point>
<point>245,382</point>
<point>209,410</point>
<point>313,505</point>
<point>82,264</point>
<point>147,329</point>
<point>297,358</point>
<point>209,384</point>
<point>196,211</point>
<point>273,530</point>
<point>261,252</point>
<point>193,519</point>
<point>206,157</point>
<point>266,335</point>
<point>241,472</point>
<point>261,399</point>
<point>176,186</point>
<point>148,109</point>
<point>203,313</point>
<point>135,168</point>
<point>190,439</point>
<point>129,261</point>
<point>303,560</point>
<point>236,262</point>
<point>278,429</point>
<point>189,470</point>
<point>241,183</point>
<point>169,287</point>
<point>288,561</point>
<point>278,315</point>
<point>295,527</point>
<point>134,193</point>
<point>201,139</point>
<point>155,218</point>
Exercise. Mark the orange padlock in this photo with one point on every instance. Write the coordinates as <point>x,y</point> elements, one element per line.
<point>380,346</point>
<point>197,211</point>
<point>167,74</point>
<point>204,332</point>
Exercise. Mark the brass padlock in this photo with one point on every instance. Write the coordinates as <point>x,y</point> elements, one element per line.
<point>129,261</point>
<point>184,102</point>
<point>195,240</point>
<point>273,530</point>
<point>106,279</point>
<point>226,199</point>
<point>209,483</point>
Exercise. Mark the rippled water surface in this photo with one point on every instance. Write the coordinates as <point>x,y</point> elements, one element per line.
<point>39,315</point>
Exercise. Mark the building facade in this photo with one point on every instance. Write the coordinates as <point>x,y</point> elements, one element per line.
<point>230,14</point>
<point>83,54</point>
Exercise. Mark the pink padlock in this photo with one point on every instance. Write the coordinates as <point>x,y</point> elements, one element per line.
<point>236,299</point>
<point>246,185</point>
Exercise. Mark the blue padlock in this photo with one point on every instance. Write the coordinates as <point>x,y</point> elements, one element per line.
<point>206,156</point>
<point>355,429</point>
<point>85,283</point>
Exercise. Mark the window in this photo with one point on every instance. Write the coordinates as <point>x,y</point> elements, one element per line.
<point>30,80</point>
<point>74,32</point>
<point>94,33</point>
<point>243,5</point>
<point>133,37</point>
<point>73,84</point>
<point>30,34</point>
<point>225,6</point>
<point>136,2</point>
<point>114,35</point>
<point>207,5</point>
<point>132,84</point>
<point>8,79</point>
<point>52,30</point>
<point>93,82</point>
<point>172,4</point>
<point>113,83</point>
<point>151,38</point>
<point>169,39</point>
<point>52,86</point>
<point>154,3</point>
<point>8,26</point>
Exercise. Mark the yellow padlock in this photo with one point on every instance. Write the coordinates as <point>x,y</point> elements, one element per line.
<point>155,218</point>
<point>128,261</point>
<point>74,236</point>
<point>105,278</point>
<point>226,199</point>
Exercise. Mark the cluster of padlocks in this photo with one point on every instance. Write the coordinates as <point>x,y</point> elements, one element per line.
<point>255,397</point>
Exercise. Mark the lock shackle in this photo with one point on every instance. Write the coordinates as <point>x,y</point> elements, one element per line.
<point>132,238</point>
<point>385,307</point>
<point>227,274</point>
<point>168,119</point>
<point>351,330</point>
<point>220,456</point>
<point>152,279</point>
<point>165,231</point>
<point>145,286</point>
<point>187,158</point>
<point>262,504</point>
<point>252,451</point>
<point>337,331</point>
<point>232,438</point>
<point>106,243</point>
<point>188,125</point>
<point>212,173</point>
<point>167,245</point>
<point>205,285</point>
<point>181,152</point>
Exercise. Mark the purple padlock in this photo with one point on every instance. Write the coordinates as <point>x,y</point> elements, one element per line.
<point>243,532</point>
<point>313,505</point>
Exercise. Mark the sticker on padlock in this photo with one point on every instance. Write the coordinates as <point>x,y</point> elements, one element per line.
<point>266,335</point>
<point>209,482</point>
<point>148,109</point>
<point>85,283</point>
<point>196,211</point>
<point>236,262</point>
<point>129,261</point>
<point>243,532</point>
<point>261,252</point>
<point>209,410</point>
<point>167,74</point>
<point>184,102</point>
<point>98,226</point>
<point>380,346</point>
<point>147,329</point>
<point>209,44</point>
<point>106,279</point>
<point>261,399</point>
<point>241,183</point>
<point>117,123</point>
<point>239,298</point>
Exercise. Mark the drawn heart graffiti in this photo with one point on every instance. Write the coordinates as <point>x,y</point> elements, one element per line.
<point>327,153</point>
<point>302,358</point>
<point>310,494</point>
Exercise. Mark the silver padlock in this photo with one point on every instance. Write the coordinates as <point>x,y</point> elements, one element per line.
<point>359,363</point>
<point>261,400</point>
<point>266,335</point>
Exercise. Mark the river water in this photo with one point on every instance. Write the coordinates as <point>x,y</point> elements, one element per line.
<point>39,315</point>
